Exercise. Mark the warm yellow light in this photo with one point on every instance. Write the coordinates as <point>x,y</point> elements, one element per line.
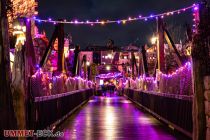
<point>124,21</point>
<point>12,58</point>
<point>24,28</point>
<point>88,63</point>
<point>102,22</point>
<point>154,40</point>
<point>188,51</point>
<point>66,52</point>
<point>109,56</point>
<point>21,39</point>
<point>108,67</point>
<point>19,29</point>
<point>17,32</point>
<point>21,8</point>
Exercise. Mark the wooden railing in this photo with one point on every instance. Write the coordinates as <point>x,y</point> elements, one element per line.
<point>48,111</point>
<point>175,110</point>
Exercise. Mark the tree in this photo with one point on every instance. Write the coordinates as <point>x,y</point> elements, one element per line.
<point>7,119</point>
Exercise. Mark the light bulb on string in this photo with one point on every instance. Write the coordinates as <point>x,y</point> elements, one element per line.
<point>151,16</point>
<point>123,21</point>
<point>102,22</point>
<point>76,22</point>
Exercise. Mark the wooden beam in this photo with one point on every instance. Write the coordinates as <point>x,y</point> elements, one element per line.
<point>171,44</point>
<point>76,61</point>
<point>200,59</point>
<point>49,47</point>
<point>30,66</point>
<point>61,58</point>
<point>160,45</point>
<point>144,56</point>
<point>84,61</point>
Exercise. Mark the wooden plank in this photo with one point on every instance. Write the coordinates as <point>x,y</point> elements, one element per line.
<point>114,118</point>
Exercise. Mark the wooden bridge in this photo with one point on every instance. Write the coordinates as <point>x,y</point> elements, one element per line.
<point>161,106</point>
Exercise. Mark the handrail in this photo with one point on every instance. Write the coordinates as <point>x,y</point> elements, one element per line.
<point>169,95</point>
<point>56,96</point>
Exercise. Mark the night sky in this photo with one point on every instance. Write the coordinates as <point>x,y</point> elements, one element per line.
<point>113,9</point>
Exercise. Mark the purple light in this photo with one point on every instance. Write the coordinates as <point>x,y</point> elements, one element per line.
<point>76,22</point>
<point>195,8</point>
<point>28,19</point>
<point>37,66</point>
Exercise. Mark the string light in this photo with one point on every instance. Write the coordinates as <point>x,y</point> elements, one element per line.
<point>187,65</point>
<point>195,18</point>
<point>123,21</point>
